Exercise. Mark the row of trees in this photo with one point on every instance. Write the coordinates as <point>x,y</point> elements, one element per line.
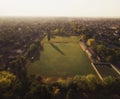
<point>33,51</point>
<point>77,87</point>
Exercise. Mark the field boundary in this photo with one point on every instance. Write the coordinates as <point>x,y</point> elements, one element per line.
<point>97,71</point>
<point>82,45</point>
<point>115,69</point>
<point>84,48</point>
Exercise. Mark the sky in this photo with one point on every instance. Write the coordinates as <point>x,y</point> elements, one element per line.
<point>68,8</point>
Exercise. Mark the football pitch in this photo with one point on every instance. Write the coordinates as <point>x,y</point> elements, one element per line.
<point>61,57</point>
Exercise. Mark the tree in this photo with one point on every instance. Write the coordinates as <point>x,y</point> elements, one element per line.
<point>101,49</point>
<point>48,36</point>
<point>86,82</point>
<point>91,42</point>
<point>82,37</point>
<point>111,84</point>
<point>18,67</point>
<point>70,94</point>
<point>56,93</point>
<point>38,91</point>
<point>56,31</point>
<point>109,58</point>
<point>91,82</point>
<point>7,81</point>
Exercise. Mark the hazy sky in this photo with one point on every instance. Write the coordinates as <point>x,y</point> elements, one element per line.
<point>88,8</point>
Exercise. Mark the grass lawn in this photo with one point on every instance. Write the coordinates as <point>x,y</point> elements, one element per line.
<point>106,70</point>
<point>62,57</point>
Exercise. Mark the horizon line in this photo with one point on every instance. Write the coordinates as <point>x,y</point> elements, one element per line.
<point>58,16</point>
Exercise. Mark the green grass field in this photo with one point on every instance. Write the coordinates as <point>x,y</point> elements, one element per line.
<point>61,57</point>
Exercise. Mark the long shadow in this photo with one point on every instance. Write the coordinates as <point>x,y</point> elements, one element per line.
<point>54,46</point>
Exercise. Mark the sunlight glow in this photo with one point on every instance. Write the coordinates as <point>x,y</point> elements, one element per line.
<point>78,8</point>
